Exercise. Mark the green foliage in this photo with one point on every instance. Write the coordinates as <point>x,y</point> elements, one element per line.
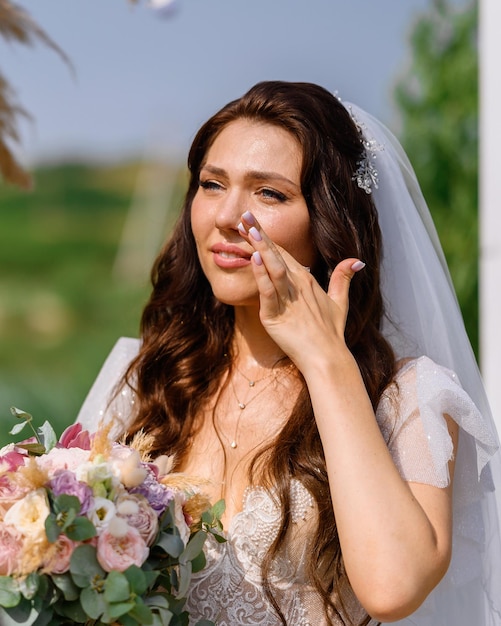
<point>65,519</point>
<point>61,307</point>
<point>88,594</point>
<point>438,102</point>
<point>45,435</point>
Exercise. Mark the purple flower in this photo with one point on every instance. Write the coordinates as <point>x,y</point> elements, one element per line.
<point>159,496</point>
<point>66,482</point>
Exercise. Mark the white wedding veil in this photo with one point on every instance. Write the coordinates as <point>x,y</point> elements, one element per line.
<point>422,317</point>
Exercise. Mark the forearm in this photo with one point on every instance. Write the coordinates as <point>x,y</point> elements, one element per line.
<point>393,551</point>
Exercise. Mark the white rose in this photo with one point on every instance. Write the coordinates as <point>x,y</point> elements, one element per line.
<point>28,515</point>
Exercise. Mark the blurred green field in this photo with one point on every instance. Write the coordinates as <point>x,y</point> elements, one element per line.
<point>63,300</point>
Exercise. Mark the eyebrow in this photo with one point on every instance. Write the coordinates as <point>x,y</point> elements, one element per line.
<point>252,175</point>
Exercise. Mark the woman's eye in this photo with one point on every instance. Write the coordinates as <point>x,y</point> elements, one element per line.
<point>210,185</point>
<point>273,194</point>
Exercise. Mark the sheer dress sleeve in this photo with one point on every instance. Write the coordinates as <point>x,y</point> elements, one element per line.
<point>411,416</point>
<point>106,401</point>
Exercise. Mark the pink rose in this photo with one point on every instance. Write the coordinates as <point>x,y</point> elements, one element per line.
<point>118,551</point>
<point>59,560</point>
<point>11,458</point>
<point>63,459</point>
<point>11,545</point>
<point>75,437</point>
<point>11,490</point>
<point>137,512</point>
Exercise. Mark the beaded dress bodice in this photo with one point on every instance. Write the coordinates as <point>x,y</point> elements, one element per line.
<point>229,589</point>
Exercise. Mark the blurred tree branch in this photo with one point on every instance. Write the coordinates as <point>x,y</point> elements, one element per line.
<point>16,25</point>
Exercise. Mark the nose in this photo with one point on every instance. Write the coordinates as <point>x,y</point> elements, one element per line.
<point>230,209</point>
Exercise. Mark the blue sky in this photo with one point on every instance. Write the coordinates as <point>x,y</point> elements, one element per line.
<point>143,83</point>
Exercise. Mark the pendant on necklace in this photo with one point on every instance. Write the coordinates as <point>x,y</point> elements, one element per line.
<point>233,444</point>
<point>252,383</point>
<point>241,406</point>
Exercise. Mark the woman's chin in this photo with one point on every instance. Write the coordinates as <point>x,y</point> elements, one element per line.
<point>237,299</point>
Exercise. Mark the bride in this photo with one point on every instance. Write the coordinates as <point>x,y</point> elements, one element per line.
<point>302,349</point>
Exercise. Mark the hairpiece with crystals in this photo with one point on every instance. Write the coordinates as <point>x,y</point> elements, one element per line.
<point>366,174</point>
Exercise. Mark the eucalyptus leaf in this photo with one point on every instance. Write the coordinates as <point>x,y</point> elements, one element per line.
<point>116,610</point>
<point>138,581</point>
<point>167,519</point>
<point>66,585</point>
<point>52,528</point>
<point>199,562</point>
<point>10,595</point>
<point>17,428</point>
<point>29,586</point>
<point>23,614</point>
<point>93,602</point>
<point>65,502</point>
<point>219,538</point>
<point>72,610</point>
<point>45,618</point>
<point>81,529</point>
<point>116,587</point>
<point>127,620</point>
<point>163,617</point>
<point>142,613</point>
<point>172,544</point>
<point>184,572</point>
<point>194,547</point>
<point>158,601</point>
<point>218,509</point>
<point>21,414</point>
<point>35,449</point>
<point>84,566</point>
<point>47,436</point>
<point>151,577</point>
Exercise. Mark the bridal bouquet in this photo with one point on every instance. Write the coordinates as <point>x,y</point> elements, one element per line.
<point>95,532</point>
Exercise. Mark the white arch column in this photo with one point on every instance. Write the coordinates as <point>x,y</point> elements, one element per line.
<point>490,201</point>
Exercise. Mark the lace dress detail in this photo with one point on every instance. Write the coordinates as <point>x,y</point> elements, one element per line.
<point>229,590</point>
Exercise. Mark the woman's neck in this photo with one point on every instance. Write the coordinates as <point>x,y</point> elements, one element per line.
<point>252,344</point>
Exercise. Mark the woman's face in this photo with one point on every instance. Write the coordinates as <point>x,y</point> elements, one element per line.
<point>253,167</point>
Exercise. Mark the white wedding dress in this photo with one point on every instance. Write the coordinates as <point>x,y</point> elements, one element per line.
<point>411,417</point>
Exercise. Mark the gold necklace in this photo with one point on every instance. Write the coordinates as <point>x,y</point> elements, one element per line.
<point>243,405</point>
<point>253,381</point>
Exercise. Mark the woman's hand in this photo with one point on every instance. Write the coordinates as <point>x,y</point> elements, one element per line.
<point>296,312</point>
<point>409,526</point>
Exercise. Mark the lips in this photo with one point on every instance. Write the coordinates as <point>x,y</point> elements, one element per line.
<point>229,256</point>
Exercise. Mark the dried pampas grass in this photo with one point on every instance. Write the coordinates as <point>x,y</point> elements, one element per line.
<point>16,25</point>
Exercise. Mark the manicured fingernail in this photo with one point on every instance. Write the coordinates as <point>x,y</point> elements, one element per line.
<point>357,266</point>
<point>248,217</point>
<point>257,258</point>
<point>254,233</point>
<point>241,229</point>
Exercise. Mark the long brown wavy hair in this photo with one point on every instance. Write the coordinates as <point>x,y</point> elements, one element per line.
<point>187,334</point>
